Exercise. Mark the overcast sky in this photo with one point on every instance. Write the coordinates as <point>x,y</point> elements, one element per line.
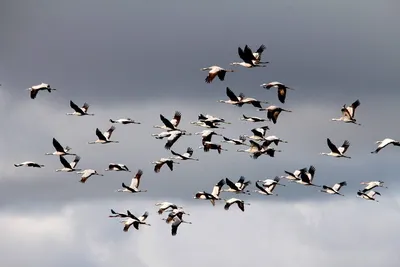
<point>137,59</point>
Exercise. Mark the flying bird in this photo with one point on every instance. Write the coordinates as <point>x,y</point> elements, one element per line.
<point>104,138</point>
<point>214,194</point>
<point>207,146</point>
<point>173,214</point>
<point>125,121</point>
<point>240,141</point>
<point>281,89</point>
<point>337,152</point>
<point>237,187</point>
<point>86,174</point>
<point>164,206</point>
<point>207,124</point>
<point>34,90</point>
<point>371,185</point>
<point>272,139</point>
<point>257,54</point>
<point>69,166</point>
<point>233,99</point>
<point>133,220</point>
<point>370,195</point>
<point>273,112</point>
<point>307,177</point>
<point>215,71</point>
<point>206,135</point>
<point>170,125</point>
<point>348,113</point>
<point>29,164</point>
<point>60,150</point>
<point>265,189</point>
<point>134,186</point>
<point>385,142</point>
<point>249,61</point>
<point>175,224</point>
<point>173,137</point>
<point>117,214</point>
<point>334,189</point>
<point>293,176</point>
<point>211,118</point>
<point>117,167</point>
<point>268,182</point>
<point>185,156</point>
<point>159,163</point>
<point>240,203</point>
<point>79,111</point>
<point>252,119</point>
<point>258,133</point>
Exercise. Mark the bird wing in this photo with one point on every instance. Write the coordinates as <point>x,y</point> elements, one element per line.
<point>311,171</point>
<point>158,166</point>
<point>217,187</point>
<point>282,94</point>
<point>75,107</point>
<point>261,188</point>
<point>34,93</point>
<point>231,95</point>
<point>221,74</point>
<point>257,132</point>
<point>255,146</point>
<point>172,139</point>
<point>57,145</point>
<point>248,55</point>
<point>174,226</point>
<point>166,122</point>
<point>344,147</point>
<point>109,132</point>
<point>231,184</point>
<point>261,49</point>
<point>136,180</point>
<point>100,135</point>
<point>85,107</point>
<point>332,147</point>
<point>176,119</point>
<point>352,109</point>
<point>210,77</point>
<point>240,205</point>
<point>75,162</point>
<point>144,216</point>
<point>177,154</point>
<point>241,180</point>
<point>242,54</point>
<point>189,152</point>
<point>170,165</point>
<point>372,193</point>
<point>65,163</point>
<point>337,186</point>
<point>369,187</point>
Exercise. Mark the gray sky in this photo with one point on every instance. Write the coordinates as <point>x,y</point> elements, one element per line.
<point>137,59</point>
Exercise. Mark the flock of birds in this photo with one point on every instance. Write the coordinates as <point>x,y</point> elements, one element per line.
<point>259,144</point>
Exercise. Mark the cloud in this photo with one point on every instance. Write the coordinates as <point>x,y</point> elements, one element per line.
<point>339,231</point>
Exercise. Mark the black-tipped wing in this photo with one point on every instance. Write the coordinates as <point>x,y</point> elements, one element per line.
<point>261,49</point>
<point>332,147</point>
<point>100,135</point>
<point>65,163</point>
<point>166,122</point>
<point>231,95</point>
<point>75,107</point>
<point>57,145</point>
<point>231,184</point>
<point>344,147</point>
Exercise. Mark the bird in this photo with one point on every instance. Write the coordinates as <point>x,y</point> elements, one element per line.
<point>268,182</point>
<point>117,167</point>
<point>163,206</point>
<point>240,141</point>
<point>88,173</point>
<point>337,152</point>
<point>134,186</point>
<point>104,138</point>
<point>79,111</point>
<point>307,177</point>
<point>334,189</point>
<point>257,54</point>
<point>214,71</point>
<point>29,164</point>
<point>258,133</point>
<point>175,224</point>
<point>185,156</point>
<point>252,119</point>
<point>281,89</point>
<point>385,142</point>
<point>214,194</point>
<point>240,203</point>
<point>250,100</point>
<point>272,139</point>
<point>208,145</point>
<point>254,147</point>
<point>125,121</point>
<point>170,125</point>
<point>34,90</point>
<point>211,118</point>
<point>159,163</point>
<point>133,220</point>
<point>265,190</point>
<point>69,166</point>
<point>173,137</point>
<point>270,151</point>
<point>117,214</point>
<point>207,124</point>
<point>233,99</point>
<point>238,187</point>
<point>292,176</point>
<point>60,150</point>
<point>371,185</point>
<point>206,135</point>
<point>370,195</point>
<point>273,112</point>
<point>348,113</point>
<point>174,213</point>
<point>249,61</point>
